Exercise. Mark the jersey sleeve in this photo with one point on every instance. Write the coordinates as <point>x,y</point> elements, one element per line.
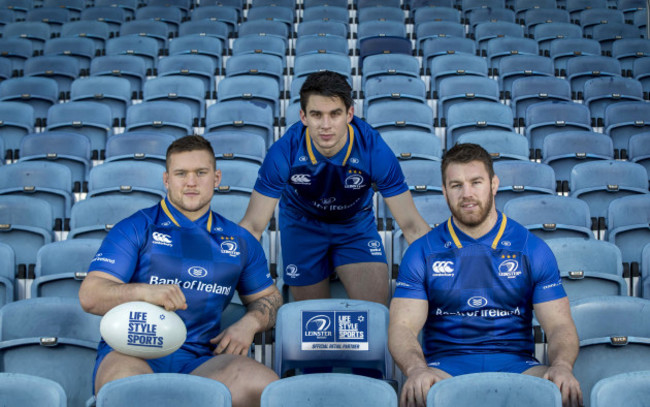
<point>274,173</point>
<point>255,275</point>
<point>119,252</point>
<point>386,171</point>
<point>411,277</point>
<point>546,274</point>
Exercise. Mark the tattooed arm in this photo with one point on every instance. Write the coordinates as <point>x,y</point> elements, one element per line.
<point>262,310</point>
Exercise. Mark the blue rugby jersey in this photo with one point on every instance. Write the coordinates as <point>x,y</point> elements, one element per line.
<point>336,189</point>
<point>208,259</point>
<point>480,292</point>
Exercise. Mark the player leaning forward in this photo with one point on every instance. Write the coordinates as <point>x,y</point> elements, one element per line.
<point>147,257</point>
<point>472,283</point>
<point>323,169</point>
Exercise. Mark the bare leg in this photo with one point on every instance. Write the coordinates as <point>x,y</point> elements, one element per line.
<point>537,371</point>
<point>244,377</point>
<point>365,281</point>
<point>117,366</point>
<point>311,292</point>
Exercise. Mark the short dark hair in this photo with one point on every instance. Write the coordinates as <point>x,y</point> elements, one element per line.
<point>464,153</point>
<point>328,84</point>
<point>189,143</point>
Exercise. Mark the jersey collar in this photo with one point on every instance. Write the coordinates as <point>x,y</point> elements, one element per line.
<point>310,150</point>
<point>499,234</point>
<point>177,218</point>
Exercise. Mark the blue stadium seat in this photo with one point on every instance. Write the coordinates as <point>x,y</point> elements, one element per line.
<point>114,92</point>
<point>433,48</point>
<point>639,150</point>
<point>260,90</point>
<point>400,115</point>
<point>236,4</point>
<point>36,32</point>
<point>31,391</point>
<point>164,389</point>
<point>494,389</point>
<point>358,336</point>
<point>547,33</point>
<point>550,117</point>
<point>528,90</point>
<point>141,47</point>
<point>471,116</point>
<point>19,7</point>
<point>413,145</point>
<point>174,118</point>
<point>187,90</point>
<point>196,44</point>
<point>128,6</point>
<point>390,88</point>
<point>329,389</point>
<point>613,333</point>
<point>257,64</point>
<point>564,49</point>
<point>153,29</point>
<point>282,15</point>
<point>484,32</point>
<point>600,93</point>
<point>71,149</point>
<point>326,13</point>
<point>52,338</point>
<point>7,273</point>
<point>111,16</point>
<point>206,28</point>
<point>517,66</point>
<point>499,48</point>
<point>62,266</point>
<point>454,65</point>
<point>438,13</point>
<point>322,27</point>
<point>74,7</point>
<point>589,267</point>
<point>501,144</point>
<point>623,389</point>
<point>644,284</point>
<point>92,119</point>
<point>16,121</point>
<point>641,72</point>
<point>261,44</point>
<point>380,13</point>
<point>600,182</point>
<point>139,146</point>
<point>565,149</point>
<point>487,14</point>
<point>437,29</point>
<point>123,66</point>
<point>225,14</point>
<point>292,113</point>
<point>93,218</point>
<point>543,14</point>
<point>39,93</point>
<point>593,16</point>
<point>628,7</point>
<point>237,175</point>
<point>575,7</point>
<point>54,17</point>
<point>80,48</point>
<point>184,6</point>
<point>627,50</point>
<point>271,28</point>
<point>521,178</point>
<point>171,16</point>
<point>16,50</point>
<point>582,68</point>
<point>628,228</point>
<point>49,181</point>
<point>189,65</point>
<point>97,31</point>
<point>237,146</point>
<point>551,216</point>
<point>305,65</point>
<point>607,34</point>
<point>322,44</point>
<point>622,120</point>
<point>464,89</point>
<point>241,115</point>
<point>380,28</point>
<point>389,64</point>
<point>63,69</point>
<point>129,178</point>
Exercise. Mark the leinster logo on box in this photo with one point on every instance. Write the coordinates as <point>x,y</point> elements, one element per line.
<point>334,330</point>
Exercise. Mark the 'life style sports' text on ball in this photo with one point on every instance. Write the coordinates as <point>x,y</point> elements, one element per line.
<point>143,330</point>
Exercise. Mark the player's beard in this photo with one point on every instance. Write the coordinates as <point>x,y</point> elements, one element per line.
<point>475,219</point>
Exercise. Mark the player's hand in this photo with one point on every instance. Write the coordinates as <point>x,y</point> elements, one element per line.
<point>563,377</point>
<point>234,340</point>
<point>168,296</point>
<point>416,387</point>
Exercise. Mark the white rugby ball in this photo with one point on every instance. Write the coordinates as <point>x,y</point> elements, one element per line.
<point>142,329</point>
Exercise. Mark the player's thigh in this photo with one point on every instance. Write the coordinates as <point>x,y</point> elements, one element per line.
<point>537,371</point>
<point>367,281</point>
<point>312,291</point>
<point>236,372</point>
<point>116,365</point>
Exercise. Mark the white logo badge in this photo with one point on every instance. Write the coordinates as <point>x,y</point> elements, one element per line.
<point>197,272</point>
<point>477,302</point>
<point>375,247</point>
<point>354,181</point>
<point>292,271</point>
<point>444,268</point>
<point>301,179</point>
<point>161,238</point>
<point>319,323</point>
<point>354,160</point>
<point>328,201</point>
<point>302,159</point>
<point>229,247</point>
<point>508,268</point>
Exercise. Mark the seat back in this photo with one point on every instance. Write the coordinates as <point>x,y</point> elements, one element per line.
<point>18,389</point>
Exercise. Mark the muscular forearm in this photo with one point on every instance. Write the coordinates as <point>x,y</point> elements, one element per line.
<point>406,349</point>
<point>416,230</point>
<point>263,311</point>
<point>99,295</point>
<point>563,346</point>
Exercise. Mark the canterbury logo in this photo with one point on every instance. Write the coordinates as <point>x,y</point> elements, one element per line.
<point>443,267</point>
<point>162,238</point>
<point>301,179</point>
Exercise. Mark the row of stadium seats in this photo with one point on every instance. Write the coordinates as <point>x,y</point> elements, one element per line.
<point>71,336</point>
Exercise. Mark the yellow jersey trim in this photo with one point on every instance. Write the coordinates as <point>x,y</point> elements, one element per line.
<point>163,204</point>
